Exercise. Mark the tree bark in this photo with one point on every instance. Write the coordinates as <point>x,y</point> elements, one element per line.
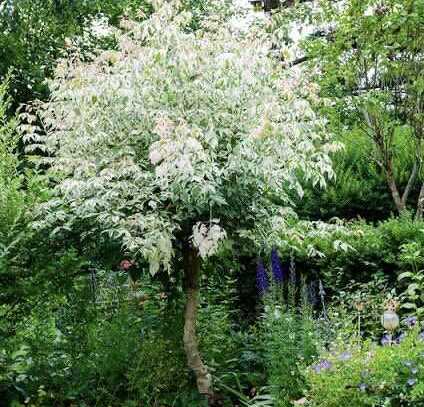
<point>399,201</point>
<point>411,182</point>
<point>400,205</point>
<point>420,205</point>
<point>191,346</point>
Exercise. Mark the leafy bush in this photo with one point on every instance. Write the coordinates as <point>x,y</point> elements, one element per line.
<point>357,307</point>
<point>344,252</point>
<point>369,375</point>
<point>19,192</point>
<point>71,343</point>
<point>12,198</point>
<point>158,374</point>
<point>290,335</point>
<point>289,345</point>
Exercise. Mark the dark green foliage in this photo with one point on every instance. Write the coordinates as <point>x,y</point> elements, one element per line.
<point>69,348</point>
<point>369,249</point>
<point>33,33</point>
<point>360,189</point>
<point>115,344</point>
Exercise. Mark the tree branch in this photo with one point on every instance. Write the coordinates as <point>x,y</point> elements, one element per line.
<point>296,62</point>
<point>420,205</point>
<point>410,184</point>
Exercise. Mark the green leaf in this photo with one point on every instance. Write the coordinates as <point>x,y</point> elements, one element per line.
<point>405,275</point>
<point>409,305</point>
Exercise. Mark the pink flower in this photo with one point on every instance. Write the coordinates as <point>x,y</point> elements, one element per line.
<point>126,264</point>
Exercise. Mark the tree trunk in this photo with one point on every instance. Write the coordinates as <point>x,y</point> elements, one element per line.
<point>399,201</point>
<point>400,205</point>
<point>411,183</point>
<point>191,346</point>
<point>420,205</point>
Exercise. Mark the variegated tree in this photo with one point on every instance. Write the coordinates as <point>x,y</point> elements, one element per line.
<point>178,140</point>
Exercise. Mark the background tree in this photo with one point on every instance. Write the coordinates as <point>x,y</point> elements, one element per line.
<point>33,36</point>
<point>370,65</point>
<point>177,141</point>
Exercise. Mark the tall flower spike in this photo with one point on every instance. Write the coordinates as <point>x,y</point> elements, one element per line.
<point>322,297</point>
<point>262,282</point>
<point>313,295</point>
<point>292,269</point>
<point>277,270</point>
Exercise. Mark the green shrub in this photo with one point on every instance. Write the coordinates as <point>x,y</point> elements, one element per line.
<point>288,347</point>
<point>233,354</point>
<point>158,374</point>
<point>290,341</point>
<point>357,261</point>
<point>19,191</point>
<point>369,375</point>
<point>344,252</point>
<point>358,307</point>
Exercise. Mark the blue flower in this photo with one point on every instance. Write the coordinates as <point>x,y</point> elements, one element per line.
<point>277,270</point>
<point>410,322</point>
<point>322,365</point>
<point>262,282</point>
<point>386,340</point>
<point>411,381</point>
<point>414,370</point>
<point>345,356</point>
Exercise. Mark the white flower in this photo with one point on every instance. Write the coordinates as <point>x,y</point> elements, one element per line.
<point>207,238</point>
<point>155,156</point>
<point>369,11</point>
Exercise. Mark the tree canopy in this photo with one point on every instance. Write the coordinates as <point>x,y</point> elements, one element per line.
<point>160,138</point>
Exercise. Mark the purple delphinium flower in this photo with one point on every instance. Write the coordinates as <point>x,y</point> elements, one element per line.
<point>410,322</point>
<point>411,381</point>
<point>277,270</point>
<point>262,282</point>
<point>322,365</point>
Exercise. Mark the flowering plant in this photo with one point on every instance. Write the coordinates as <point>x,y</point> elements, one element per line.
<point>370,375</point>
